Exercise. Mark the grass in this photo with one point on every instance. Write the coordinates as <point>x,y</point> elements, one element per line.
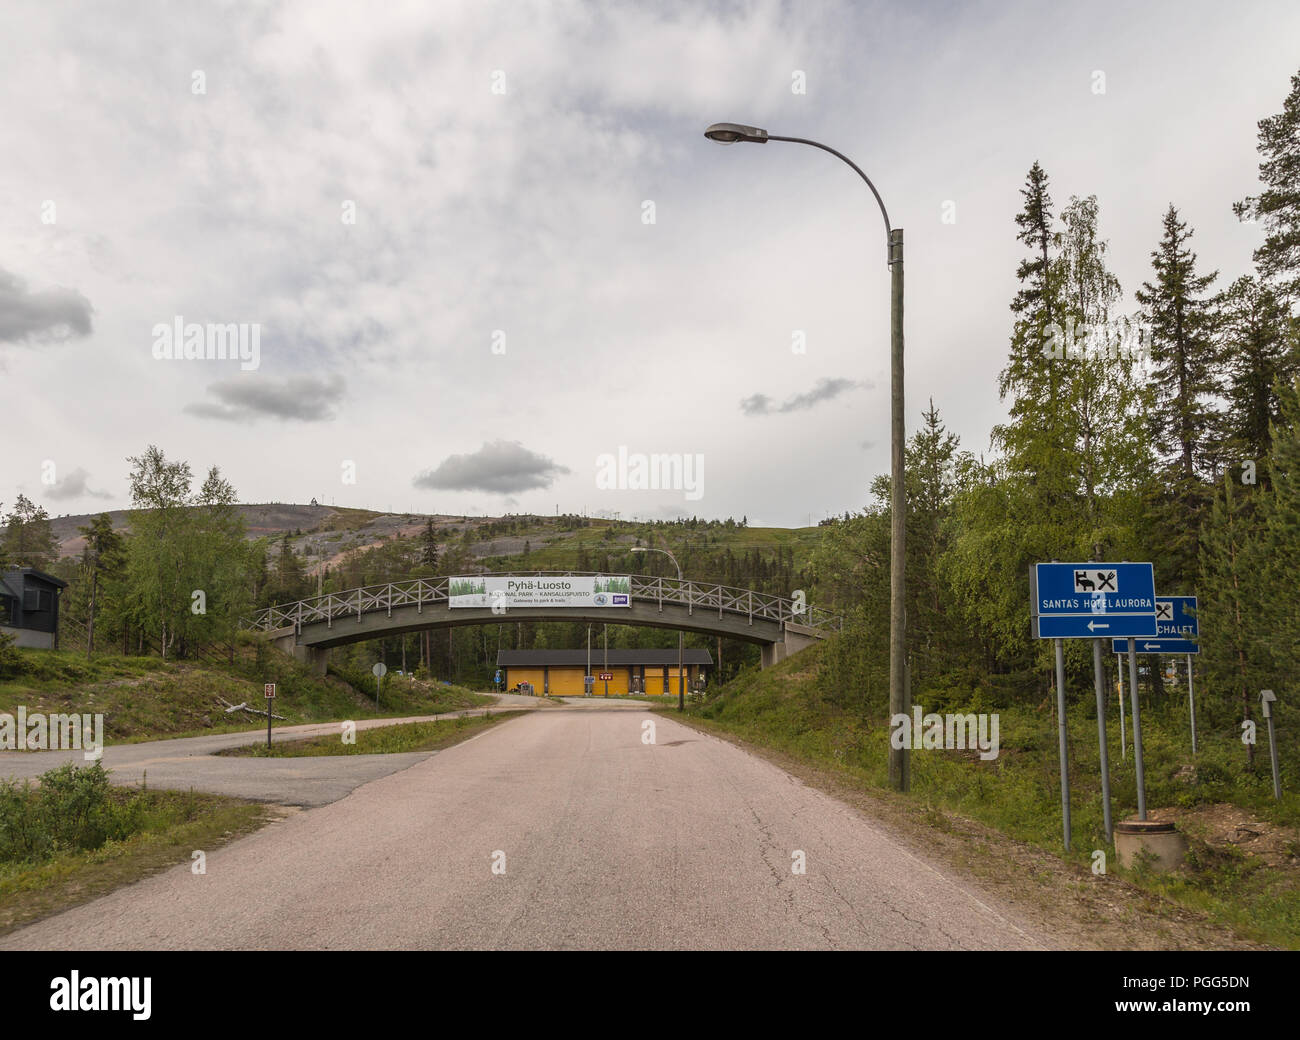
<point>1018,794</point>
<point>385,740</point>
<point>145,698</point>
<point>163,828</point>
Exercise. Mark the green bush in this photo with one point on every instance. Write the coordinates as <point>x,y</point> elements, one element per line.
<point>11,661</point>
<point>72,808</point>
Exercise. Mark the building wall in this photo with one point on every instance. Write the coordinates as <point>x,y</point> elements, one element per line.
<point>29,638</point>
<point>566,681</point>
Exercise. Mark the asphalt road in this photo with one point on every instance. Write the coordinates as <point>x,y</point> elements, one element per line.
<point>190,762</point>
<point>599,840</point>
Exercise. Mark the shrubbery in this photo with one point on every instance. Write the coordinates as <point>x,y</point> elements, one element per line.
<point>71,808</point>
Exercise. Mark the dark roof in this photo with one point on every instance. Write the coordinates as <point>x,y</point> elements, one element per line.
<point>617,658</point>
<point>21,572</point>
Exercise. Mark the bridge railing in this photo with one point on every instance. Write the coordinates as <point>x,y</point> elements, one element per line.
<point>417,592</point>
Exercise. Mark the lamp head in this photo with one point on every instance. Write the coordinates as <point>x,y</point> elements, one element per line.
<point>731,133</point>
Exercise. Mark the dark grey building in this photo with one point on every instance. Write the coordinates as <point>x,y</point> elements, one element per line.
<point>29,607</point>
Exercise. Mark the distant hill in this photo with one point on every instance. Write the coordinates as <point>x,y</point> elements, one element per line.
<point>323,535</point>
<point>274,519</point>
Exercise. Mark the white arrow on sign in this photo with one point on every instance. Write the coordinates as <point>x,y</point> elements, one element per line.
<point>1093,626</point>
<point>1148,646</point>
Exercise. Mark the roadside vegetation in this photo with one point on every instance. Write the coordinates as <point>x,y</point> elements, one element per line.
<point>147,698</point>
<point>386,740</point>
<point>1243,868</point>
<point>71,837</point>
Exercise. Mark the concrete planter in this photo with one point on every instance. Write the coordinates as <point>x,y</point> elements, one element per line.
<point>1160,839</point>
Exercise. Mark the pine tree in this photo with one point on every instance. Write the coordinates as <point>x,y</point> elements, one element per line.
<point>28,539</point>
<point>1031,438</point>
<point>428,546</point>
<point>1184,381</point>
<point>1181,319</point>
<point>1281,577</point>
<point>1278,206</point>
<point>1259,358</point>
<point>102,561</point>
<point>1229,600</point>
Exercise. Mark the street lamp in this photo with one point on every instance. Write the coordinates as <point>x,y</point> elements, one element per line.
<point>899,697</point>
<point>681,681</point>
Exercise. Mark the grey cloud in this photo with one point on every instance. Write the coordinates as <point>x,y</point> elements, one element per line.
<point>74,486</point>
<point>824,390</point>
<point>302,398</point>
<point>51,314</point>
<point>501,467</point>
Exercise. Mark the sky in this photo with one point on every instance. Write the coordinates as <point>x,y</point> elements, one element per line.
<point>483,259</point>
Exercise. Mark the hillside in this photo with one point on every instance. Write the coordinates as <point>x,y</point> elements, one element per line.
<point>323,535</point>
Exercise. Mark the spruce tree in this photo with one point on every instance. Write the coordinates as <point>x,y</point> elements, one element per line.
<point>1260,356</point>
<point>1278,206</point>
<point>1183,382</point>
<point>28,539</point>
<point>1181,319</point>
<point>1281,578</point>
<point>1229,604</point>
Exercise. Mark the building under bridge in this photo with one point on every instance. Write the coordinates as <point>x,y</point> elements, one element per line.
<point>560,672</point>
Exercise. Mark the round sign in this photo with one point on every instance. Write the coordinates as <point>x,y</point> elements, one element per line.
<point>379,670</point>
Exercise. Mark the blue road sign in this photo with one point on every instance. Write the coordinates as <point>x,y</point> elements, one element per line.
<point>1092,600</point>
<point>1176,626</point>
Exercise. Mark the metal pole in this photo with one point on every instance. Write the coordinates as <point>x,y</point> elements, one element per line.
<point>1123,740</point>
<point>1191,701</point>
<point>1100,681</point>
<point>270,703</point>
<point>1272,753</point>
<point>1060,729</point>
<point>681,689</point>
<point>900,765</point>
<point>1137,727</point>
<point>1266,701</point>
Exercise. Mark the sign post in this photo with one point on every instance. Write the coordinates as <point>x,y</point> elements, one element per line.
<point>1093,601</point>
<point>1123,740</point>
<point>1178,632</point>
<point>1137,727</point>
<point>1060,733</point>
<point>1266,699</point>
<point>268,689</point>
<point>379,671</point>
<point>1100,682</point>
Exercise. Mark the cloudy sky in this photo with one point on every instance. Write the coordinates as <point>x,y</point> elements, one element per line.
<point>484,244</point>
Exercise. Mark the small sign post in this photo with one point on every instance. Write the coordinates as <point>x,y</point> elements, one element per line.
<point>1178,632</point>
<point>268,690</point>
<point>379,670</point>
<point>1266,699</point>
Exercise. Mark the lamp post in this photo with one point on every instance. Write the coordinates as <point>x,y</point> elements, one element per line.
<point>899,695</point>
<point>681,681</point>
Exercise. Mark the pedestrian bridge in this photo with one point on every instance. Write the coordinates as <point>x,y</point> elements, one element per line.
<point>307,628</point>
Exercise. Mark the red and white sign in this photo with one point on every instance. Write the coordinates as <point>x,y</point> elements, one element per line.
<point>606,676</point>
<point>269,689</point>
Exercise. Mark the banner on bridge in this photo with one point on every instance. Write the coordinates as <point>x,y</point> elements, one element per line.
<point>504,592</point>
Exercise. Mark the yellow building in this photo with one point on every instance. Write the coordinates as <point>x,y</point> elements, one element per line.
<point>560,673</point>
